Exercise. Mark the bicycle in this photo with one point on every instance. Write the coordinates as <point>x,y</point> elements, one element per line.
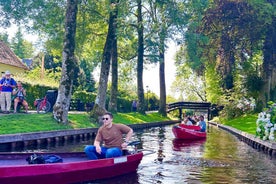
<point>42,105</point>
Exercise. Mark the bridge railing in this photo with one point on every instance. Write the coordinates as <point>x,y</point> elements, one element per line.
<point>188,105</point>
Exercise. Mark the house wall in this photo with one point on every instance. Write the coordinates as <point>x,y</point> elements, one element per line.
<point>14,70</point>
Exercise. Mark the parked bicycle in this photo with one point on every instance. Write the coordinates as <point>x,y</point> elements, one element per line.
<point>42,105</point>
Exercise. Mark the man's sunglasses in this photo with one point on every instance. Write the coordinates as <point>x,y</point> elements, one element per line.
<point>105,119</point>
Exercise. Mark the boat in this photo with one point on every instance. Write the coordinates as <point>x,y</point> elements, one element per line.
<point>191,132</point>
<point>76,167</point>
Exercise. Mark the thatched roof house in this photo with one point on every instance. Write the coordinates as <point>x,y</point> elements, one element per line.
<point>9,61</point>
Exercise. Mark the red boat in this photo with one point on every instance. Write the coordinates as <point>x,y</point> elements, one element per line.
<point>75,168</point>
<point>183,131</point>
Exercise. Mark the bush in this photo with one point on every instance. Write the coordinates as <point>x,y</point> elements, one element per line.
<point>266,123</point>
<point>230,111</point>
<point>85,97</point>
<point>237,106</point>
<point>124,105</point>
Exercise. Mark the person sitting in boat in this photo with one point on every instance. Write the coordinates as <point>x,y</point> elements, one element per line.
<point>196,119</point>
<point>202,123</point>
<point>112,136</point>
<point>187,121</point>
<point>192,121</point>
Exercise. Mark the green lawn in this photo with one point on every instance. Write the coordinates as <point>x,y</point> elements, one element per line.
<point>246,123</point>
<point>22,123</point>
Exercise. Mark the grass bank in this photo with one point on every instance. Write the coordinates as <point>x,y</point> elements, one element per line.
<point>245,123</point>
<point>23,123</point>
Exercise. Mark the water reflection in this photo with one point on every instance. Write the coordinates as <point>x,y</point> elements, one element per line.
<point>182,145</point>
<point>221,158</point>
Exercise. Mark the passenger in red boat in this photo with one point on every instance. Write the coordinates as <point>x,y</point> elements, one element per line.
<point>111,135</point>
<point>192,120</point>
<point>202,123</point>
<point>187,121</point>
<point>195,119</point>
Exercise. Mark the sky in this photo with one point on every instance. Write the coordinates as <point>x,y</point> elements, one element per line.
<point>150,75</point>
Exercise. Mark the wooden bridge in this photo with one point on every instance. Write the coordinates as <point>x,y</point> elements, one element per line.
<point>189,105</point>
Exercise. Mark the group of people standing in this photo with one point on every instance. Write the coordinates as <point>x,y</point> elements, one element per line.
<point>9,88</point>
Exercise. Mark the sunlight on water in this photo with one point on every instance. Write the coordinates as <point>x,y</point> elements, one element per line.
<point>221,158</point>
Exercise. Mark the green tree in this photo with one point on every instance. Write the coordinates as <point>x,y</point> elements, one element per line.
<point>112,106</point>
<point>168,18</point>
<point>5,37</point>
<point>69,63</point>
<point>268,92</point>
<point>140,59</point>
<point>226,35</point>
<point>86,79</point>
<point>21,47</point>
<point>188,83</point>
<point>100,102</point>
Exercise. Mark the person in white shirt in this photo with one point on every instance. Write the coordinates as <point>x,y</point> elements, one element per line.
<point>187,121</point>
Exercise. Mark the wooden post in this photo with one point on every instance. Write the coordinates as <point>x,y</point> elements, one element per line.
<point>42,67</point>
<point>180,113</point>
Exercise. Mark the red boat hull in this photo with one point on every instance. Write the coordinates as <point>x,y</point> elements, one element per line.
<point>191,132</point>
<point>70,171</point>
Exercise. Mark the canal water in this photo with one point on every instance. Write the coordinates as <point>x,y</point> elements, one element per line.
<point>221,158</point>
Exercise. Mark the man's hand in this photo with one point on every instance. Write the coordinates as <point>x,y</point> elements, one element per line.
<point>98,149</point>
<point>124,145</point>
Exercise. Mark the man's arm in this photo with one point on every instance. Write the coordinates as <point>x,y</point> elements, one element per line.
<point>98,147</point>
<point>127,139</point>
<point>97,142</point>
<point>129,135</point>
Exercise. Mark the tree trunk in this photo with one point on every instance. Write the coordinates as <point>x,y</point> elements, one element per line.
<point>269,65</point>
<point>114,57</point>
<point>226,62</point>
<point>100,102</point>
<point>162,105</point>
<point>69,63</point>
<point>140,60</point>
<point>162,37</point>
<point>42,66</point>
<point>112,106</point>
